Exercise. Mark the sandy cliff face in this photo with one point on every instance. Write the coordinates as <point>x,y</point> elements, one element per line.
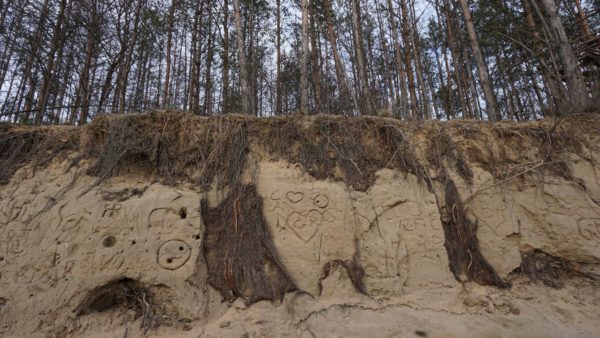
<point>451,230</point>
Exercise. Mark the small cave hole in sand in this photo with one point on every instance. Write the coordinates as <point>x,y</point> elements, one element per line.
<point>183,213</point>
<point>109,241</point>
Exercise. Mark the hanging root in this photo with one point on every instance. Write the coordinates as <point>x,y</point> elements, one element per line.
<point>239,251</point>
<point>353,268</point>
<point>462,245</point>
<point>348,150</point>
<point>173,146</point>
<point>552,271</point>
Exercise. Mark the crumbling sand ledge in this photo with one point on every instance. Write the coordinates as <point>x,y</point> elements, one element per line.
<point>319,226</point>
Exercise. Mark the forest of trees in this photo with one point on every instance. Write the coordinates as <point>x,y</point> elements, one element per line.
<point>64,61</point>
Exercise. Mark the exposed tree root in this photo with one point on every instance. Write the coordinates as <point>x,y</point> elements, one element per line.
<point>552,271</point>
<point>354,269</point>
<point>38,146</point>
<point>125,294</point>
<point>239,251</point>
<point>462,245</point>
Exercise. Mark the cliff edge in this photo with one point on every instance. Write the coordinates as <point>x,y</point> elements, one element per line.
<point>165,224</point>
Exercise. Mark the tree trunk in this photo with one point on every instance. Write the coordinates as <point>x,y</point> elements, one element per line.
<point>61,87</point>
<point>484,78</point>
<point>244,87</point>
<point>107,86</point>
<point>473,91</point>
<point>555,88</point>
<point>340,72</point>
<point>194,80</point>
<point>30,78</point>
<point>56,43</point>
<point>278,75</point>
<point>124,78</point>
<point>225,58</point>
<point>399,61</point>
<point>82,95</point>
<point>368,106</point>
<point>390,94</point>
<point>170,24</point>
<point>251,64</point>
<point>140,75</point>
<point>414,103</point>
<point>455,62</point>
<point>315,60</point>
<point>578,93</point>
<point>416,42</point>
<point>11,42</point>
<point>583,20</point>
<point>304,60</point>
<point>208,76</point>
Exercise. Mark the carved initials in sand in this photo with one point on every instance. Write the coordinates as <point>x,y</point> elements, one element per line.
<point>111,209</point>
<point>14,242</point>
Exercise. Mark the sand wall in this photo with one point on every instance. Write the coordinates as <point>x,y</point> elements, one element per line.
<point>488,232</point>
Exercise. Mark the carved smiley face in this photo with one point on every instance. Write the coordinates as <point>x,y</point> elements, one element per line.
<point>322,201</point>
<point>173,254</point>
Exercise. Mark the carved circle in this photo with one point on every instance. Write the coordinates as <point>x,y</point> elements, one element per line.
<point>322,201</point>
<point>173,254</point>
<point>109,241</point>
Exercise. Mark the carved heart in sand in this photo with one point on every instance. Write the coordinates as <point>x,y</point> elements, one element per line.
<point>304,225</point>
<point>294,197</point>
